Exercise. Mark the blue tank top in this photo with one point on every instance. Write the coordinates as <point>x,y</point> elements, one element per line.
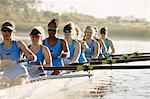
<point>102,51</point>
<point>12,54</point>
<point>91,52</point>
<point>71,49</point>
<point>107,44</point>
<point>56,50</point>
<point>40,58</point>
<point>82,57</point>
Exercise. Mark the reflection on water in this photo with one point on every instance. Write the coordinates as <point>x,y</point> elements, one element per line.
<point>117,84</point>
<point>113,84</point>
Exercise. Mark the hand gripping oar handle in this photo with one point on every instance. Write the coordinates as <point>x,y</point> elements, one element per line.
<point>22,61</point>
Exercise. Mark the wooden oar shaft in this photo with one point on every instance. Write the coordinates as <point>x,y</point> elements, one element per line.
<point>94,67</point>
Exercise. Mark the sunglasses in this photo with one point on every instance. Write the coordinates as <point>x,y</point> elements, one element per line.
<point>53,29</point>
<point>102,33</point>
<point>7,30</point>
<point>35,36</point>
<point>67,31</point>
<point>88,32</point>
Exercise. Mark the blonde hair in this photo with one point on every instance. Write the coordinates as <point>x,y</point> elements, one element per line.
<point>80,34</point>
<point>72,26</point>
<point>41,30</point>
<point>93,31</point>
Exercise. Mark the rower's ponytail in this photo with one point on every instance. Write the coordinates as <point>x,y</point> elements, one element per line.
<point>54,22</point>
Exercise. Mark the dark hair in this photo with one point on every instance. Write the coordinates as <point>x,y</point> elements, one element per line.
<point>103,30</point>
<point>67,27</point>
<point>54,23</point>
<point>8,25</point>
<point>35,32</point>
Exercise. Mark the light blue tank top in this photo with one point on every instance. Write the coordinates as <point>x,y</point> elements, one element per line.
<point>107,44</point>
<point>40,58</point>
<point>56,50</point>
<point>71,49</point>
<point>102,51</point>
<point>91,52</point>
<point>82,57</point>
<point>12,54</point>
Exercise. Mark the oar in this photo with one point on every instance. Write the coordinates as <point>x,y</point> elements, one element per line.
<point>114,61</point>
<point>131,54</point>
<point>94,67</point>
<point>121,58</point>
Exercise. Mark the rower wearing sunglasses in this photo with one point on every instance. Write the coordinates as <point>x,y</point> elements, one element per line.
<point>10,51</point>
<point>74,45</point>
<point>58,47</point>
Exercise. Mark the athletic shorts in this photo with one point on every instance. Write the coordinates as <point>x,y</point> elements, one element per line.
<point>15,71</point>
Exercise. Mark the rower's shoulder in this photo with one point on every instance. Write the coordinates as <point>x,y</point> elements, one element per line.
<point>95,41</point>
<point>109,40</point>
<point>77,43</point>
<point>63,41</point>
<point>44,48</point>
<point>20,42</point>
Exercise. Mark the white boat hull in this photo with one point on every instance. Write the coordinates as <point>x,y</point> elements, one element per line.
<point>45,89</point>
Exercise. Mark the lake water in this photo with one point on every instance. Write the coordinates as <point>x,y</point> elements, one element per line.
<point>104,84</point>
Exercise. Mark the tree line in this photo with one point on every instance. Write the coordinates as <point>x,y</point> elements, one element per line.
<point>26,15</point>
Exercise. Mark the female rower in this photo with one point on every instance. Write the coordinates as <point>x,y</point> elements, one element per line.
<point>92,43</point>
<point>106,44</point>
<point>74,45</point>
<point>10,52</point>
<point>84,46</point>
<point>41,51</point>
<point>96,37</point>
<point>58,47</point>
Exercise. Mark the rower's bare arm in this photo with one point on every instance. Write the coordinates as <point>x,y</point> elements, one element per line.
<point>30,55</point>
<point>77,52</point>
<point>85,46</point>
<point>65,48</point>
<point>1,67</point>
<point>112,47</point>
<point>102,44</point>
<point>47,56</point>
<point>96,50</point>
